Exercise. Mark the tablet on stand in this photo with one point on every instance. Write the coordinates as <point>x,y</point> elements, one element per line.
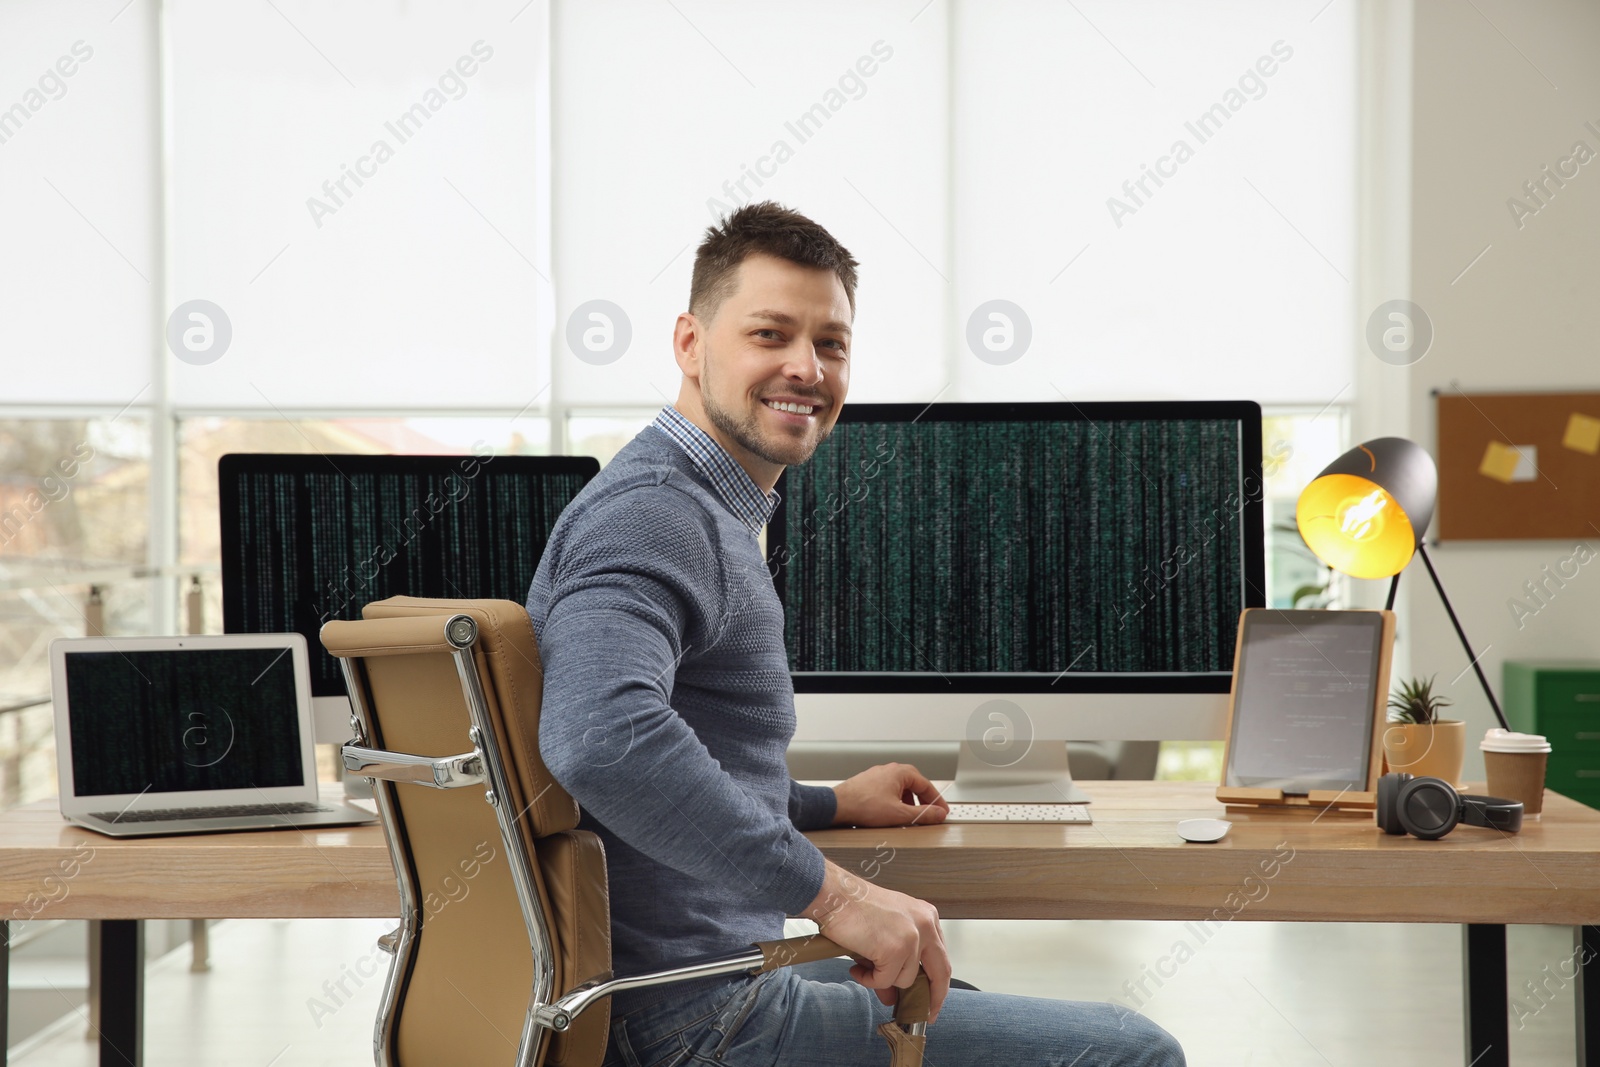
<point>1307,710</point>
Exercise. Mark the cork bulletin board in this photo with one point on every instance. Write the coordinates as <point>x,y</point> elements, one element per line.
<point>1518,466</point>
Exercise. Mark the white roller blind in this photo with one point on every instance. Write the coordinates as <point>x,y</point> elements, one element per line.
<point>1230,278</point>
<point>78,116</point>
<point>837,110</point>
<point>359,189</point>
<point>420,284</point>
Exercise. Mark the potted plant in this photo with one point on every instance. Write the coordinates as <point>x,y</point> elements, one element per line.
<point>1417,740</point>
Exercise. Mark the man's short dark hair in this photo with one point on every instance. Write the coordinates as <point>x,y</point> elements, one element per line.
<point>770,229</point>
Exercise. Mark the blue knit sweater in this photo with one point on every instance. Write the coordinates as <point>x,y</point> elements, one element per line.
<point>667,710</point>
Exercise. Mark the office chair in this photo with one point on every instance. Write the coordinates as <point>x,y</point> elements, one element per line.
<point>446,697</point>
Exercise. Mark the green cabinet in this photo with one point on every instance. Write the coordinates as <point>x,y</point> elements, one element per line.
<point>1560,699</point>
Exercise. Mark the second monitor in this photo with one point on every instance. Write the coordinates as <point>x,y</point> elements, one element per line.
<point>308,538</point>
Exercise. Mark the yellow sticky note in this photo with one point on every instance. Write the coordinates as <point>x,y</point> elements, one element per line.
<point>1583,434</point>
<point>1500,462</point>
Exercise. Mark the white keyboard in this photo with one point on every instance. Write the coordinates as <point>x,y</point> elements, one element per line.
<point>1078,813</point>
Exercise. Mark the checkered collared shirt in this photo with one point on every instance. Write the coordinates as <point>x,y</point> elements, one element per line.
<point>733,483</point>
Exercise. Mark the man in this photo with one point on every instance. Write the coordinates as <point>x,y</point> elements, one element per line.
<point>668,707</point>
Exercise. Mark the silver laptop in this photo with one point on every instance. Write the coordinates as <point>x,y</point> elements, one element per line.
<point>184,735</point>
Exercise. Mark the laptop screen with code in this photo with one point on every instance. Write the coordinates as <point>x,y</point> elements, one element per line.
<point>183,720</point>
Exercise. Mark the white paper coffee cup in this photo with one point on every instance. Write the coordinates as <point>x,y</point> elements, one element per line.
<point>1514,765</point>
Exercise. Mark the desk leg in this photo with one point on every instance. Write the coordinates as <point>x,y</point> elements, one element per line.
<point>122,993</point>
<point>1483,958</point>
<point>1586,994</point>
<point>5,990</point>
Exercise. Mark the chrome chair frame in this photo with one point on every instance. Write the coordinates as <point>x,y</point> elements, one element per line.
<point>485,765</point>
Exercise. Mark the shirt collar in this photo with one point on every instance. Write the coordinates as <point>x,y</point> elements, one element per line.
<point>732,482</point>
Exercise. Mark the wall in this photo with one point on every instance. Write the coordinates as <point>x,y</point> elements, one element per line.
<point>1500,90</point>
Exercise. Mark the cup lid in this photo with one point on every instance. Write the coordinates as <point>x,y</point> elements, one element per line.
<point>1498,740</point>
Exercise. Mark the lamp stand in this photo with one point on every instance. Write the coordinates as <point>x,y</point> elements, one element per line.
<point>1422,550</point>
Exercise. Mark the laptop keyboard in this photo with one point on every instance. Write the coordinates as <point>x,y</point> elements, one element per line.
<point>1078,813</point>
<point>231,811</point>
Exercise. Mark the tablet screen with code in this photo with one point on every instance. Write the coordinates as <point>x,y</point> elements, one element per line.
<point>1304,699</point>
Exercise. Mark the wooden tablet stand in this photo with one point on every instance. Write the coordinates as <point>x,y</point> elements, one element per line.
<point>1317,802</point>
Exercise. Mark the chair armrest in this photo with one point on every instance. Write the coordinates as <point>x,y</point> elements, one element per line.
<point>443,772</point>
<point>905,1034</point>
<point>763,956</point>
<point>807,948</point>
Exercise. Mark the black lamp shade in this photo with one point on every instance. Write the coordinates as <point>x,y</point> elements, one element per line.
<point>1368,510</point>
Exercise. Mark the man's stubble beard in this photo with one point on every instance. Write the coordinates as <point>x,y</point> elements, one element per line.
<point>748,432</point>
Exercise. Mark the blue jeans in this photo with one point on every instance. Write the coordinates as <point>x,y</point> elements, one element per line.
<point>816,1015</point>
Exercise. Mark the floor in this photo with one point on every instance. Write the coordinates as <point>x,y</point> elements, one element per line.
<point>1252,995</point>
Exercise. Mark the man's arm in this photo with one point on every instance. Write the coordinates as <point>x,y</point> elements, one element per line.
<point>888,932</point>
<point>890,794</point>
<point>639,586</point>
<point>812,807</point>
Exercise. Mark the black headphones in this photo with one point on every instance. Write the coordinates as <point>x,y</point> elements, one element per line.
<point>1431,808</point>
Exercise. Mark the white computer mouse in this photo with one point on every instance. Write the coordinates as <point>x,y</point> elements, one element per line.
<point>1204,829</point>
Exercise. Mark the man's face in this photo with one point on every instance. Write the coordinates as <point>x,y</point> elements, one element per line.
<point>782,338</point>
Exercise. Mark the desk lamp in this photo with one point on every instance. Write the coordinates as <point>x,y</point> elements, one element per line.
<point>1366,513</point>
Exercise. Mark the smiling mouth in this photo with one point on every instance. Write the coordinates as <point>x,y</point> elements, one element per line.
<point>787,408</point>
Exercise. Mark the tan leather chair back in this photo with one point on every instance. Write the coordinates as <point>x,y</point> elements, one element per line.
<point>462,993</point>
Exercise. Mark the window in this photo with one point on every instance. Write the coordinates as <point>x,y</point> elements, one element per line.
<point>74,509</point>
<point>601,435</point>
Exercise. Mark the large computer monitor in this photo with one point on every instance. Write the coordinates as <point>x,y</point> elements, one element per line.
<point>308,538</point>
<point>1013,576</point>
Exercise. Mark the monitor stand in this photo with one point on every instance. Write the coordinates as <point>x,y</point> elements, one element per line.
<point>1041,776</point>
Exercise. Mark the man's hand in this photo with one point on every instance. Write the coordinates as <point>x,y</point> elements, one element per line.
<point>888,933</point>
<point>889,795</point>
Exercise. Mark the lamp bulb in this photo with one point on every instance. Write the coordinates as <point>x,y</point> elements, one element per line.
<point>1363,518</point>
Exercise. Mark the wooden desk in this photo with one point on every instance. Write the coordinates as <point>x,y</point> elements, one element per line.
<point>50,869</point>
<point>271,874</point>
<point>1129,865</point>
